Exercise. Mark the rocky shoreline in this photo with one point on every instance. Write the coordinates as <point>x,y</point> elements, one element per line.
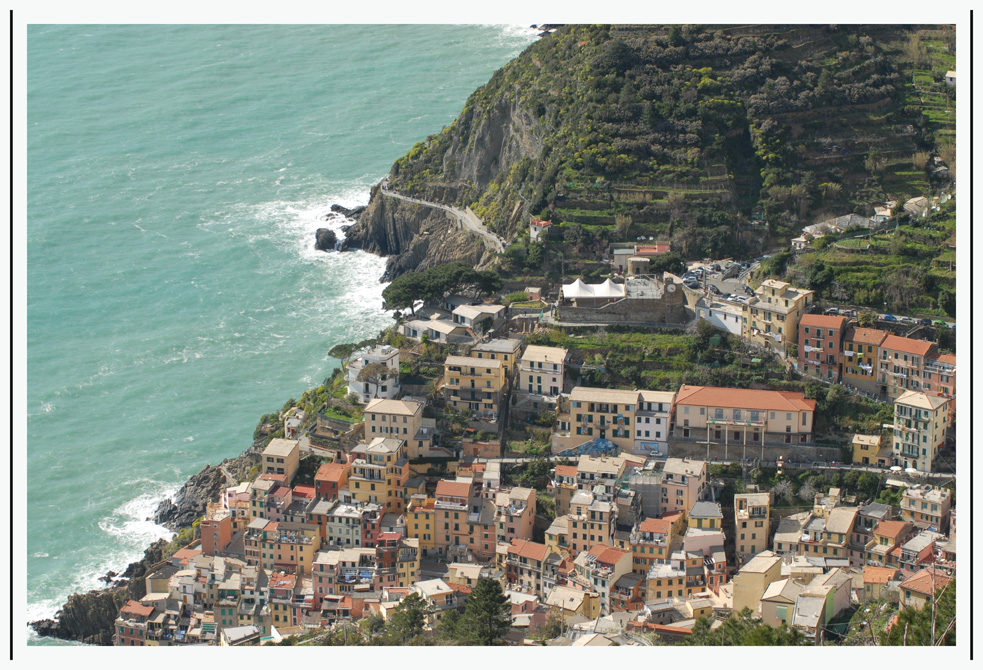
<point>89,617</point>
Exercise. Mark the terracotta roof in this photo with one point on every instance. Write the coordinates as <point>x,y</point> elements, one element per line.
<point>446,487</point>
<point>305,491</point>
<point>906,345</point>
<point>946,358</point>
<point>922,581</point>
<point>655,525</point>
<point>566,470</point>
<point>875,575</point>
<point>331,472</point>
<point>533,550</point>
<point>891,529</point>
<point>713,396</point>
<point>134,607</point>
<point>822,321</point>
<point>865,335</point>
<point>605,553</point>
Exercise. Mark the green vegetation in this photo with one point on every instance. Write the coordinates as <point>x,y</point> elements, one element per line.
<point>910,269</point>
<point>924,627</point>
<point>436,282</point>
<point>743,629</point>
<point>683,132</point>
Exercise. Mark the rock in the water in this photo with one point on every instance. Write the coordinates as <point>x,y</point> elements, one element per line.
<point>326,240</point>
<point>348,213</point>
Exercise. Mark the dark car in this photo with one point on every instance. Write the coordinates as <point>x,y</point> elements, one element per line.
<point>747,289</point>
<point>714,289</point>
<point>924,322</point>
<point>724,296</point>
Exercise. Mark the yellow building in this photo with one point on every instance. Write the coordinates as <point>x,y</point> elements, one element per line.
<point>867,450</point>
<point>920,424</point>
<point>771,317</point>
<point>861,351</point>
<point>590,522</point>
<point>281,457</point>
<point>400,420</point>
<point>284,547</point>
<point>753,579</point>
<point>379,473</point>
<point>570,602</point>
<point>474,385</point>
<point>420,523</point>
<point>590,413</point>
<point>751,520</point>
<point>408,562</point>
<point>499,349</point>
<point>652,540</point>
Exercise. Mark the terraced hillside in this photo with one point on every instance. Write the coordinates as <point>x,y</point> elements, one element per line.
<point>691,132</point>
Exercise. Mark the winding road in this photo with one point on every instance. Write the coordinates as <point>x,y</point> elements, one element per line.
<point>467,218</point>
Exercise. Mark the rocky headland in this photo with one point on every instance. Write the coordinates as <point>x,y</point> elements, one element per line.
<point>88,617</point>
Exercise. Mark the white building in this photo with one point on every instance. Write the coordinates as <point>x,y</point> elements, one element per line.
<point>541,374</point>
<point>652,422</point>
<point>721,314</point>
<point>376,382</point>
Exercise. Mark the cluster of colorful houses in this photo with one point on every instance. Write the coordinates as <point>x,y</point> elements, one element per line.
<point>638,541</point>
<point>636,545</point>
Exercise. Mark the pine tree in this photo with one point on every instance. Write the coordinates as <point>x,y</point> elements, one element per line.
<point>486,617</point>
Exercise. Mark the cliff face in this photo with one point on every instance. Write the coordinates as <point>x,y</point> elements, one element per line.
<point>204,486</point>
<point>414,237</point>
<point>668,132</point>
<point>479,148</point>
<point>88,617</point>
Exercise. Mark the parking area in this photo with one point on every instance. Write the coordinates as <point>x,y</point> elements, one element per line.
<point>721,279</point>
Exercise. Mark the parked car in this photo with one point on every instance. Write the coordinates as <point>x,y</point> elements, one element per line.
<point>747,289</point>
<point>924,322</point>
<point>906,319</point>
<point>832,311</point>
<point>891,318</point>
<point>714,289</point>
<point>939,322</point>
<point>725,296</point>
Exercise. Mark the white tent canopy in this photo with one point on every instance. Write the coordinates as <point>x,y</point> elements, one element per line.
<point>607,289</point>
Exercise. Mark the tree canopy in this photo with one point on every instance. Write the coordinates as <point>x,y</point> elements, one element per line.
<point>436,282</point>
<point>486,617</point>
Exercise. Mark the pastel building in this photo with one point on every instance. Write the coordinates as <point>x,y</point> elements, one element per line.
<point>820,343</point>
<point>374,373</point>
<point>771,317</point>
<point>593,413</point>
<point>733,418</point>
<point>920,425</point>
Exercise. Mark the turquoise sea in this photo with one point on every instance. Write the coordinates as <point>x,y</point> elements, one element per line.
<point>176,176</point>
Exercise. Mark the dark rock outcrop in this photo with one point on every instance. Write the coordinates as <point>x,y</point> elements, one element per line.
<point>352,213</point>
<point>204,486</point>
<point>326,240</point>
<point>88,617</point>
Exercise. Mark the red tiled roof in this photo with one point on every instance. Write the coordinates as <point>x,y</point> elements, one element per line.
<point>134,607</point>
<point>946,358</point>
<point>922,581</point>
<point>652,249</point>
<point>280,491</point>
<point>460,588</point>
<point>714,396</point>
<point>865,335</point>
<point>566,470</point>
<point>184,555</point>
<point>389,536</point>
<point>890,529</point>
<point>447,487</point>
<point>305,491</point>
<point>605,553</point>
<point>822,321</point>
<point>527,549</point>
<point>269,476</point>
<point>876,575</point>
<point>331,472</point>
<point>906,345</point>
<point>655,525</point>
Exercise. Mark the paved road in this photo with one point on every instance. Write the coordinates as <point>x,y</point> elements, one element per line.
<point>467,218</point>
